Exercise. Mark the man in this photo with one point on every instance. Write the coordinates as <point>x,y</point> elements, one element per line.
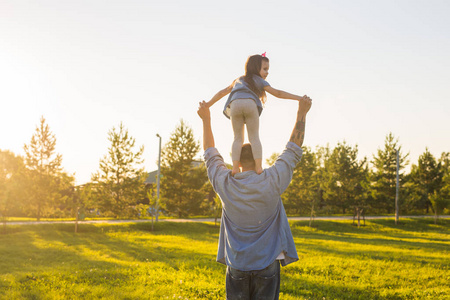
<point>254,234</point>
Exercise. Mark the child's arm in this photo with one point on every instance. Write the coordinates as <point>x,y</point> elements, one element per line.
<point>281,94</point>
<point>220,94</point>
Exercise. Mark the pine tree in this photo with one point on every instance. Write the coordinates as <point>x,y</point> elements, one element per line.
<point>302,193</point>
<point>120,181</point>
<point>183,179</point>
<point>425,180</point>
<point>383,177</point>
<point>11,184</point>
<point>321,155</point>
<point>343,178</point>
<point>445,163</point>
<point>44,167</point>
<point>440,200</point>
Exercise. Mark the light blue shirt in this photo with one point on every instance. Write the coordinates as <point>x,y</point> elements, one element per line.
<point>242,91</point>
<point>254,228</point>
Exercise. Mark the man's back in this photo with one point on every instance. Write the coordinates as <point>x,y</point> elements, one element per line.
<point>254,228</point>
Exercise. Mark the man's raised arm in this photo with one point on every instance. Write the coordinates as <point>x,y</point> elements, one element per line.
<point>208,137</point>
<point>298,134</point>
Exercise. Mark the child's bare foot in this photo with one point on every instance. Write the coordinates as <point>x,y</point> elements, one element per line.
<point>258,166</point>
<point>235,170</point>
<point>259,170</point>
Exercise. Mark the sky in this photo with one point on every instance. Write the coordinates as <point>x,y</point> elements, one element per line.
<point>371,67</point>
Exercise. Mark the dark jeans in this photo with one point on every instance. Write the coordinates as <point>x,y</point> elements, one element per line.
<point>261,284</point>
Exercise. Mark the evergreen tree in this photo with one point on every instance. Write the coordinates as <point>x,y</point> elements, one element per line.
<point>444,192</point>
<point>302,193</point>
<point>425,181</point>
<point>183,179</point>
<point>11,184</point>
<point>119,184</point>
<point>383,177</point>
<point>440,201</point>
<point>45,171</point>
<point>444,161</point>
<point>344,178</point>
<point>321,156</point>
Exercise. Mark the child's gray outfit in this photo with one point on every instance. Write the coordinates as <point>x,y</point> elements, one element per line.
<point>244,107</point>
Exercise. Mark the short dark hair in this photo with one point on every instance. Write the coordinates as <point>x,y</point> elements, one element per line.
<point>247,155</point>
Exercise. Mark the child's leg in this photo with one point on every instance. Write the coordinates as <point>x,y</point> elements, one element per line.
<point>237,122</point>
<point>252,121</point>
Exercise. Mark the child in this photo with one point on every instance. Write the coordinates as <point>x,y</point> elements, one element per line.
<point>245,104</point>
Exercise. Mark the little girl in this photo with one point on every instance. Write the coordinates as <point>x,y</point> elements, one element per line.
<point>245,104</point>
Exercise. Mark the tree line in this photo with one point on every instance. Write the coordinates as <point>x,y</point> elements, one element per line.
<point>326,181</point>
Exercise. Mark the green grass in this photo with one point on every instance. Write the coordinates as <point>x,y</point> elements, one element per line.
<point>177,261</point>
<point>28,219</point>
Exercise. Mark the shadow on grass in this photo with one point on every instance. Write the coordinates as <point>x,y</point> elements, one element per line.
<point>391,242</point>
<point>386,226</point>
<point>297,287</point>
<point>51,245</point>
<point>408,225</point>
<point>387,256</point>
<point>38,259</point>
<point>416,225</point>
<point>424,230</point>
<point>401,245</point>
<point>196,231</point>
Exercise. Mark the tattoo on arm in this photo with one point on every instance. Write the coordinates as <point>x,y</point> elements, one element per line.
<point>298,134</point>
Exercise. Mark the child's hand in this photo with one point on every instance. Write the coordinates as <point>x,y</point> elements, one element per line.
<point>303,98</point>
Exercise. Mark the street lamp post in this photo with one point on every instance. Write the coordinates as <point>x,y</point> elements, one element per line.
<point>77,198</point>
<point>397,188</point>
<point>157,179</point>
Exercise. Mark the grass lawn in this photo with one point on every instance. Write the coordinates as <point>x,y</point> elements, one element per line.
<point>177,261</point>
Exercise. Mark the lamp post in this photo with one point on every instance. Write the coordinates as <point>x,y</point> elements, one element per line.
<point>77,192</point>
<point>397,188</point>
<point>157,179</point>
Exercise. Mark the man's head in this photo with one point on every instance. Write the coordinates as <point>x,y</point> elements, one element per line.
<point>246,160</point>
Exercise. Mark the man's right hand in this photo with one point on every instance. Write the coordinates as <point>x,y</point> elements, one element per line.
<point>203,111</point>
